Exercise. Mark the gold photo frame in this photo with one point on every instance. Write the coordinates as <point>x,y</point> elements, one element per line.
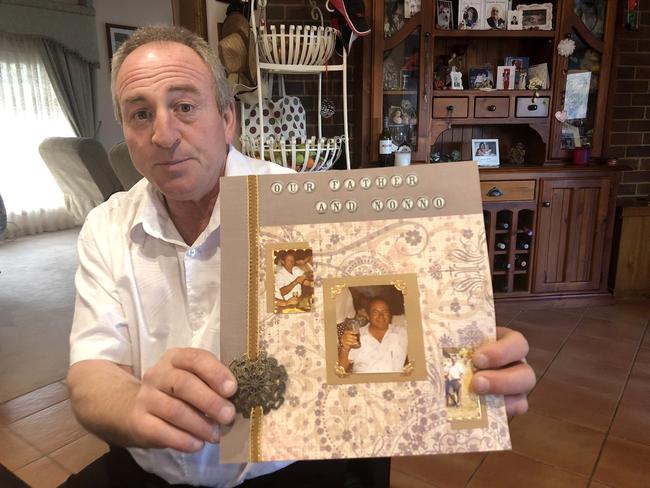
<point>465,409</point>
<point>300,298</point>
<point>393,298</point>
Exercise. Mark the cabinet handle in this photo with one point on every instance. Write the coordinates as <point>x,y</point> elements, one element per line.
<point>492,108</point>
<point>450,108</point>
<point>532,107</point>
<point>546,204</point>
<point>494,192</point>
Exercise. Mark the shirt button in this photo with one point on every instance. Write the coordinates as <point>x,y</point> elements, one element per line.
<point>191,253</point>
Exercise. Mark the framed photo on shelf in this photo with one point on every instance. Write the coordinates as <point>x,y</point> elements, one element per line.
<point>486,152</point>
<point>538,77</point>
<point>538,16</point>
<point>506,77</point>
<point>411,7</point>
<point>445,15</point>
<point>495,14</point>
<point>514,20</point>
<point>456,80</point>
<point>116,35</point>
<point>481,78</point>
<point>470,14</point>
<point>520,63</point>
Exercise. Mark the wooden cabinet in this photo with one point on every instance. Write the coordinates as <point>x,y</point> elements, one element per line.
<point>549,229</point>
<point>572,218</point>
<point>405,77</point>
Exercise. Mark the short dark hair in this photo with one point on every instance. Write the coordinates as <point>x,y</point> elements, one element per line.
<point>377,299</point>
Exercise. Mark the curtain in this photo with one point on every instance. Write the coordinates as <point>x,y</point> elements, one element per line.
<point>29,112</point>
<point>73,80</point>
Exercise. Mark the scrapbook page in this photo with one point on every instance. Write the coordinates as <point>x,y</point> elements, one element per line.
<point>351,305</point>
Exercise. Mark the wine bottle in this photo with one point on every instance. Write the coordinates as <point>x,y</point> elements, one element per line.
<point>523,243</point>
<point>503,225</point>
<point>385,146</point>
<point>501,246</point>
<point>520,263</point>
<point>527,230</point>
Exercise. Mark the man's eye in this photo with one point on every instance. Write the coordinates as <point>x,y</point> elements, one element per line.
<point>185,107</point>
<point>141,115</point>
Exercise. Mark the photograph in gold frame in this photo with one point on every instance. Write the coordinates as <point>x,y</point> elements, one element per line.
<point>290,278</point>
<point>349,302</point>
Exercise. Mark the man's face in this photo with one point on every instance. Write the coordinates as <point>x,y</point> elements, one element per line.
<point>289,262</point>
<point>176,135</point>
<point>379,315</point>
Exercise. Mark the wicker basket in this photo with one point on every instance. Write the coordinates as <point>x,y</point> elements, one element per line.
<point>296,44</point>
<point>319,154</point>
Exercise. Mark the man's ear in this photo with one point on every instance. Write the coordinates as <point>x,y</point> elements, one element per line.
<point>229,122</point>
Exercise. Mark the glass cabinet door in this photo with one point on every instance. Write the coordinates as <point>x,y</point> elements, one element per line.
<point>401,75</point>
<point>583,79</point>
<point>398,87</point>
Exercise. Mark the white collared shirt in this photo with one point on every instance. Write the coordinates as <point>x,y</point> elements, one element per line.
<point>142,290</point>
<point>284,278</point>
<point>387,356</point>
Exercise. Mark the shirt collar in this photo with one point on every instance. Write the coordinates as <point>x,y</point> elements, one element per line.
<point>152,215</point>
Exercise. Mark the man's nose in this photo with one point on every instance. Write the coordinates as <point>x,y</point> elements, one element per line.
<point>165,133</point>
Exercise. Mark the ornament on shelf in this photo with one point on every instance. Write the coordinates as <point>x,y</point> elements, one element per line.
<point>517,153</point>
<point>566,47</point>
<point>327,109</point>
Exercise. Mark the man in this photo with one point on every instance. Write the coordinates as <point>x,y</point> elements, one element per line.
<point>144,373</point>
<point>494,21</point>
<point>288,278</point>
<point>383,345</point>
<point>456,372</point>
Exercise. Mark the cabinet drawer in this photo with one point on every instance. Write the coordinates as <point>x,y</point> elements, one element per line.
<point>510,190</point>
<point>491,107</point>
<point>442,105</point>
<point>526,107</point>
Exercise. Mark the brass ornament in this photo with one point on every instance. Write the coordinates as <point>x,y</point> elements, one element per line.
<point>262,383</point>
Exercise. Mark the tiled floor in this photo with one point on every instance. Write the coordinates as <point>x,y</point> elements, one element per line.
<point>589,418</point>
<point>588,425</point>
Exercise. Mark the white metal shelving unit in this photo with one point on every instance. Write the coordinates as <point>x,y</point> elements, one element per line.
<point>327,150</point>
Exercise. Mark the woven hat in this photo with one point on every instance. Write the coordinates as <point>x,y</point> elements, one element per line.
<point>237,52</point>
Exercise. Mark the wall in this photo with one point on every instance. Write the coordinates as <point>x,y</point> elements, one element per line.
<point>122,12</point>
<point>630,106</point>
<point>70,25</point>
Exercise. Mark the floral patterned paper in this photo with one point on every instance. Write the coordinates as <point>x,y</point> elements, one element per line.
<point>319,420</point>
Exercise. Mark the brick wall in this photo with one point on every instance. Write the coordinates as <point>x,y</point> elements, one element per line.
<point>306,87</point>
<point>630,109</point>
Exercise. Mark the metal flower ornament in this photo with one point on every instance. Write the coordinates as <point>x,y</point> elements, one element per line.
<point>566,47</point>
<point>262,383</point>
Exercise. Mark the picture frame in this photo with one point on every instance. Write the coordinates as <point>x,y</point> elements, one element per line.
<point>115,35</point>
<point>412,7</point>
<point>481,78</point>
<point>456,80</point>
<point>537,16</point>
<point>521,64</point>
<point>495,15</point>
<point>514,20</point>
<point>486,152</point>
<point>539,72</point>
<point>506,77</point>
<point>444,15</point>
<point>470,14</point>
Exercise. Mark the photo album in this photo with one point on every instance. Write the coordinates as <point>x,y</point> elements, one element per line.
<point>351,305</point>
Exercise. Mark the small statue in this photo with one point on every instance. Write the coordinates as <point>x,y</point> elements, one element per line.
<point>517,153</point>
<point>435,157</point>
<point>454,155</point>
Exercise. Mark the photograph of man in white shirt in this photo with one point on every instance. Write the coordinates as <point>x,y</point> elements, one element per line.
<point>382,346</point>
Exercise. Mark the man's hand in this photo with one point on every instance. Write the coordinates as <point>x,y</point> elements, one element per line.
<point>182,400</point>
<point>348,340</point>
<point>505,371</point>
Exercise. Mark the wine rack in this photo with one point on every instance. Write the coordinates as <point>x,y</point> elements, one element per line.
<point>510,239</point>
